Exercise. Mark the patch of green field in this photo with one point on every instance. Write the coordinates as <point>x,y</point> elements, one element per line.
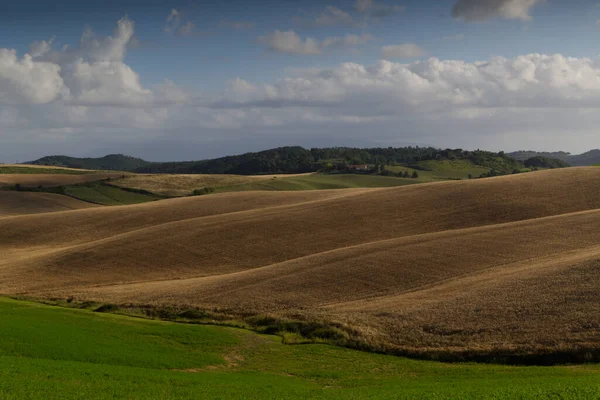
<point>32,170</point>
<point>57,353</point>
<point>320,182</point>
<point>432,170</point>
<point>99,193</point>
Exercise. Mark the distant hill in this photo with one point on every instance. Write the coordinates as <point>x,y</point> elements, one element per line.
<point>295,159</point>
<point>545,162</point>
<point>588,158</point>
<point>291,160</point>
<point>111,162</point>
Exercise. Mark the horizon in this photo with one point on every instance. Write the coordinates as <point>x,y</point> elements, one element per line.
<point>198,79</point>
<point>307,148</point>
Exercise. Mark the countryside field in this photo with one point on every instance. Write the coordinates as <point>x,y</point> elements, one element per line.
<point>106,356</point>
<point>499,270</point>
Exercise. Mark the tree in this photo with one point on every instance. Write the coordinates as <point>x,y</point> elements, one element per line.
<point>470,176</point>
<point>406,175</point>
<point>415,175</point>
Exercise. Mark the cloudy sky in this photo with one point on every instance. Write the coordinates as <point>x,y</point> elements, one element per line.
<point>171,80</point>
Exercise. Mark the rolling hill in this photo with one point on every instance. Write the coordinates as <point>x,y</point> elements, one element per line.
<point>588,158</point>
<point>447,269</point>
<point>111,162</point>
<point>20,203</point>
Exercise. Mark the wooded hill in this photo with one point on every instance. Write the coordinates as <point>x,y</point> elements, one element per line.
<point>288,160</point>
<point>588,158</point>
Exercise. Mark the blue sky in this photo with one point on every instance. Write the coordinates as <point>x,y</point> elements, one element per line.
<point>195,79</point>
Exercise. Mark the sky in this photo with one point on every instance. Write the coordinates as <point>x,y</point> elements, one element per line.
<point>183,80</point>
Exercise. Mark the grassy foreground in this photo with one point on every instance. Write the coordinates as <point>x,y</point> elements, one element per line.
<point>56,353</point>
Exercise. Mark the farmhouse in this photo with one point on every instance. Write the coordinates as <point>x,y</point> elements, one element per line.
<point>358,167</point>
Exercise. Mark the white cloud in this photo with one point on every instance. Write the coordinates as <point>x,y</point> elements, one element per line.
<point>389,88</point>
<point>289,42</point>
<point>173,21</point>
<point>377,9</point>
<point>407,50</point>
<point>40,48</point>
<point>187,29</point>
<point>482,10</point>
<point>333,16</point>
<point>91,73</point>
<point>26,80</point>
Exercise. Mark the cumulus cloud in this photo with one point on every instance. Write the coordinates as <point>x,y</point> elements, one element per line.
<point>26,81</point>
<point>91,73</point>
<point>291,43</point>
<point>407,50</point>
<point>173,21</point>
<point>482,10</point>
<point>377,9</point>
<point>333,16</point>
<point>529,81</point>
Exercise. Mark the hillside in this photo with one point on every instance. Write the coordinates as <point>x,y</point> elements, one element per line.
<point>96,355</point>
<point>20,203</point>
<point>293,160</point>
<point>588,158</point>
<point>461,268</point>
<point>111,162</point>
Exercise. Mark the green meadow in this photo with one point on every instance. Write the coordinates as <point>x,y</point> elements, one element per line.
<point>320,182</point>
<point>99,193</point>
<point>50,352</point>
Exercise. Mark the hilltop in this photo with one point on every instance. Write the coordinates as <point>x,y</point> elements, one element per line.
<point>295,160</point>
<point>111,162</point>
<point>588,158</point>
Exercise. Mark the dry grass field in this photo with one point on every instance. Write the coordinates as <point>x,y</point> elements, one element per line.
<point>183,185</point>
<point>51,180</point>
<point>500,265</point>
<point>19,203</point>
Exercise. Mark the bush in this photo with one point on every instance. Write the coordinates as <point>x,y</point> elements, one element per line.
<point>194,314</point>
<point>107,308</point>
<point>206,190</point>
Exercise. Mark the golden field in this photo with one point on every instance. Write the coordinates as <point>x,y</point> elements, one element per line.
<point>506,264</point>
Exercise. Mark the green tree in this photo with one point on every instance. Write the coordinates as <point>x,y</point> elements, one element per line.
<point>415,175</point>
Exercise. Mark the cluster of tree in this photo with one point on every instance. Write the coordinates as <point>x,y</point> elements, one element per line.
<point>588,158</point>
<point>544,162</point>
<point>296,159</point>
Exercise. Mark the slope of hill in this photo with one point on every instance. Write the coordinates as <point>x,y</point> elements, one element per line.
<point>441,268</point>
<point>293,160</point>
<point>111,162</point>
<point>20,203</point>
<point>588,158</point>
<point>95,355</point>
<point>52,180</point>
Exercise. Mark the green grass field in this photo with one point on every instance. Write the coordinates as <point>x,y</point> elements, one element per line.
<point>320,182</point>
<point>432,170</point>
<point>98,193</point>
<point>57,353</point>
<point>32,170</point>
